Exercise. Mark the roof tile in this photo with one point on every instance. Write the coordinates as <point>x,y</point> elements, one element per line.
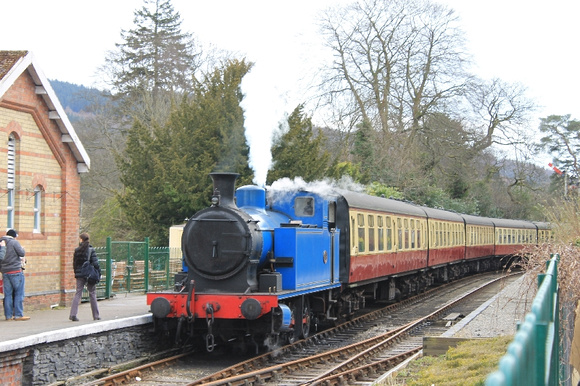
<point>8,59</point>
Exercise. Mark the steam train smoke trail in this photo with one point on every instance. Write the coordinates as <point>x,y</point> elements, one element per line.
<point>264,108</point>
<point>285,188</point>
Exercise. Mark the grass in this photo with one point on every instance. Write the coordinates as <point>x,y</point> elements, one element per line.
<point>467,364</point>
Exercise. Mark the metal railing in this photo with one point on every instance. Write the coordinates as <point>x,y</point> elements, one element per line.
<point>134,266</point>
<point>533,357</point>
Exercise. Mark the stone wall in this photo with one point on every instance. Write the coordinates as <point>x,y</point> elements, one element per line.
<point>58,361</point>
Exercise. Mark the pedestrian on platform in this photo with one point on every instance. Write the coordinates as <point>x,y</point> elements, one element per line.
<point>84,252</point>
<point>2,251</point>
<point>13,277</point>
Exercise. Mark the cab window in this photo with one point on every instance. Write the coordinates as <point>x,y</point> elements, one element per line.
<point>304,206</point>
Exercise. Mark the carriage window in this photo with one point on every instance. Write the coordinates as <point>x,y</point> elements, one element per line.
<point>413,234</point>
<point>304,206</point>
<point>380,233</point>
<point>470,231</point>
<point>361,232</point>
<point>419,230</point>
<point>389,234</point>
<point>406,227</point>
<point>400,233</point>
<point>432,241</point>
<point>371,225</point>
<point>353,231</point>
<point>453,234</point>
<point>470,235</point>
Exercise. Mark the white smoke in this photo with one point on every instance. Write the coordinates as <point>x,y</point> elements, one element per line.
<point>264,106</point>
<point>287,51</point>
<point>285,188</point>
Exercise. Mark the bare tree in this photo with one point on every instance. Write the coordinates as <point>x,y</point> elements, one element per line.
<point>393,61</point>
<point>497,113</point>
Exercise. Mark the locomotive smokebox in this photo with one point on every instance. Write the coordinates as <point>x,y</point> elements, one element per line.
<point>224,185</point>
<point>222,245</point>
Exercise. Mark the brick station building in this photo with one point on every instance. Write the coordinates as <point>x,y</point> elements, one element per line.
<point>41,159</point>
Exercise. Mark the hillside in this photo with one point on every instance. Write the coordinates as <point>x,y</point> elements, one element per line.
<point>75,99</point>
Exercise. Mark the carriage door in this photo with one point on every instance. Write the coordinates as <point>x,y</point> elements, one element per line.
<point>334,239</point>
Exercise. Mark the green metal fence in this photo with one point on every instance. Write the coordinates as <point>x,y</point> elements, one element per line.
<point>533,357</point>
<point>134,266</point>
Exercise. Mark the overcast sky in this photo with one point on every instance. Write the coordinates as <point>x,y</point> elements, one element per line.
<point>532,42</point>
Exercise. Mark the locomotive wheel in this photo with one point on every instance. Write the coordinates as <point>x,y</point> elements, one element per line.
<point>306,317</point>
<point>294,335</point>
<point>302,318</point>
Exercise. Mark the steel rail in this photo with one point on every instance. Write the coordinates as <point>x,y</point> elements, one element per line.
<point>356,353</point>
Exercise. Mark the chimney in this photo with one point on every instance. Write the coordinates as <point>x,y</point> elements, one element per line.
<point>224,185</point>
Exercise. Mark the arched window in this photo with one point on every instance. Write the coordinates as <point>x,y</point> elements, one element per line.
<point>37,209</point>
<point>11,181</point>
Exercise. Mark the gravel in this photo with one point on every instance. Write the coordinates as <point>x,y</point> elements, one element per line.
<point>500,315</point>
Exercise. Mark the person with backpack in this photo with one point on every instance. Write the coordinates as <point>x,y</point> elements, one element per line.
<point>13,277</point>
<point>82,253</point>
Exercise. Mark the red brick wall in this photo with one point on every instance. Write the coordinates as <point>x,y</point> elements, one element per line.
<point>42,159</point>
<point>11,367</point>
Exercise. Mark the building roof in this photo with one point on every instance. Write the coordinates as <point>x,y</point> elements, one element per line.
<point>15,63</point>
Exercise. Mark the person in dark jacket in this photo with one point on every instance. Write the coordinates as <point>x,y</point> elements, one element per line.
<point>13,277</point>
<point>82,253</point>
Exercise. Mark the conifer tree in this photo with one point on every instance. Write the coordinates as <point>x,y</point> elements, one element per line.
<point>297,152</point>
<point>155,55</point>
<point>166,170</point>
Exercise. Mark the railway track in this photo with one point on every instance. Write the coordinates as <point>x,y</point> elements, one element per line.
<point>360,349</point>
<point>356,362</point>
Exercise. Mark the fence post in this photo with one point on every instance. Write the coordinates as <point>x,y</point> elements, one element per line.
<point>146,279</point>
<point>167,262</point>
<point>109,270</point>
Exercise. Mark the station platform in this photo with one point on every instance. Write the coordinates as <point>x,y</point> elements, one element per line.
<point>123,310</point>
